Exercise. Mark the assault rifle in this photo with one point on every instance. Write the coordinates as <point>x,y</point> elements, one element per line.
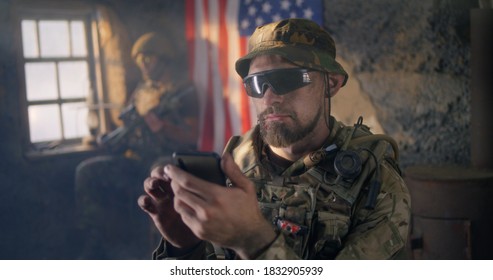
<point>117,140</point>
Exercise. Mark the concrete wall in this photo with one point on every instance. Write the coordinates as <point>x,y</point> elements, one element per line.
<point>411,58</point>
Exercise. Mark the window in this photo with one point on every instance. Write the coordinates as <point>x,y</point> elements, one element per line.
<point>60,85</point>
<point>57,78</point>
<point>72,59</point>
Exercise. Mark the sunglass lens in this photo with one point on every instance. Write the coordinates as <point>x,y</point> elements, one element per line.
<point>254,86</point>
<point>287,80</point>
<point>281,81</point>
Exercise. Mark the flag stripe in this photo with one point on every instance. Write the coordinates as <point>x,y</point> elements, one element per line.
<point>235,85</point>
<point>245,102</point>
<point>210,114</point>
<point>199,68</point>
<point>223,67</point>
<point>215,81</point>
<point>209,44</point>
<point>190,35</point>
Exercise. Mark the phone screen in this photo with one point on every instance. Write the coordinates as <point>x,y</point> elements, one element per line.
<point>205,165</point>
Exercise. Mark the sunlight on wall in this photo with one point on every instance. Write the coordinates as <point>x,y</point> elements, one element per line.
<point>350,103</point>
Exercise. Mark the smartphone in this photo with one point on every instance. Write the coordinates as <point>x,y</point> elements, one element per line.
<point>205,165</point>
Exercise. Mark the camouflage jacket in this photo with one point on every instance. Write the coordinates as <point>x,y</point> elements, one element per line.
<point>317,213</point>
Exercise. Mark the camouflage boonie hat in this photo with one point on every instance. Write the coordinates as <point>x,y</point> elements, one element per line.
<point>300,41</point>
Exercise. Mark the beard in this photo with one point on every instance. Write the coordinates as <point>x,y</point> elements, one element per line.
<point>279,134</point>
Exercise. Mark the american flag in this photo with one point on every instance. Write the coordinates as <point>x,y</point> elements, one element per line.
<point>217,34</point>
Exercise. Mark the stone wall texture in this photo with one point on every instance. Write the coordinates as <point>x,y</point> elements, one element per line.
<point>412,59</point>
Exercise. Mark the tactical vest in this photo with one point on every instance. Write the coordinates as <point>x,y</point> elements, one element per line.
<point>310,203</point>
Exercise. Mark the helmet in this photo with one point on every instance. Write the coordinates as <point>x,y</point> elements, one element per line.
<point>300,41</point>
<point>154,43</point>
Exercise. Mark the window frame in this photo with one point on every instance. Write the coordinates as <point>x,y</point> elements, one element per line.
<point>67,12</point>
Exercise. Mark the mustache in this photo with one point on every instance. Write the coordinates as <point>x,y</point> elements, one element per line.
<point>275,109</point>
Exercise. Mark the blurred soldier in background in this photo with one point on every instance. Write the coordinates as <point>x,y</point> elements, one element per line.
<point>161,117</point>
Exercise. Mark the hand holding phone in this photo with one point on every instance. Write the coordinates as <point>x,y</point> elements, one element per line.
<point>205,165</point>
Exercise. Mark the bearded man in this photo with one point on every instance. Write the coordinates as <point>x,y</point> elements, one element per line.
<point>302,184</point>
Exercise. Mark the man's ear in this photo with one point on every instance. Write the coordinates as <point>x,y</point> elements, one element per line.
<point>335,83</point>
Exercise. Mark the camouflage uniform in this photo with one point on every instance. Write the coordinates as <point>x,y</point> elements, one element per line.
<point>318,216</point>
<point>109,222</point>
<point>317,212</point>
<point>332,213</point>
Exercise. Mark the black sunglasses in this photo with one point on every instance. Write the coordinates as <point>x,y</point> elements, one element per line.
<point>281,81</point>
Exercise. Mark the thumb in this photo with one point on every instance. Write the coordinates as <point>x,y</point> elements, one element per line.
<point>233,172</point>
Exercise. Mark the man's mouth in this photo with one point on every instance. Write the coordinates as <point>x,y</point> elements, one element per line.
<point>276,117</point>
<point>274,113</point>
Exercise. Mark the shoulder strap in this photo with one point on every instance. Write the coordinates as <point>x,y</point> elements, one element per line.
<point>232,143</point>
<point>371,149</point>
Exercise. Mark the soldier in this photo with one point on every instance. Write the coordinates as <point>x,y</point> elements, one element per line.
<point>302,184</point>
<point>162,116</point>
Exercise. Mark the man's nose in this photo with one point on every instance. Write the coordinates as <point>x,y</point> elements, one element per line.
<point>269,96</point>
